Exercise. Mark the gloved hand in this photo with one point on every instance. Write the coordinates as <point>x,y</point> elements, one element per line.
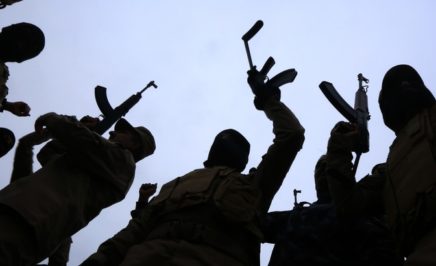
<point>42,121</point>
<point>343,137</point>
<point>90,122</point>
<point>262,91</point>
<point>146,191</point>
<point>17,108</point>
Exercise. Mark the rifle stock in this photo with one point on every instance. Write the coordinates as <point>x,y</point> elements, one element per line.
<point>282,78</point>
<point>358,115</point>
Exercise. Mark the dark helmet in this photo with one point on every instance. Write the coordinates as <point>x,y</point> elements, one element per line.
<point>146,139</point>
<point>402,96</point>
<point>230,148</point>
<point>7,141</point>
<point>321,183</point>
<point>20,42</point>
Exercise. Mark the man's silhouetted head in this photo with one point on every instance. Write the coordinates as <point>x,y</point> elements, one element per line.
<point>229,149</point>
<point>143,138</point>
<point>402,96</point>
<point>20,42</point>
<point>7,141</point>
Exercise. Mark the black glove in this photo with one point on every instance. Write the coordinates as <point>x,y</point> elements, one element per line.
<point>262,90</point>
<point>343,137</point>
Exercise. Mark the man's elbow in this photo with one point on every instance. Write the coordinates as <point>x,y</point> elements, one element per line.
<point>294,140</point>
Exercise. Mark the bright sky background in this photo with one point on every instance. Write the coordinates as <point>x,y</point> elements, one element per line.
<point>194,52</point>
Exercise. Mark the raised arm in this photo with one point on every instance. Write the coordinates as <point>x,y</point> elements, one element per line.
<point>99,157</point>
<point>23,159</point>
<point>275,164</point>
<point>112,251</point>
<point>67,129</point>
<point>351,197</point>
<point>288,140</point>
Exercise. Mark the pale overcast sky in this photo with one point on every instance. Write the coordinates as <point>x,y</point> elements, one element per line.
<point>194,52</point>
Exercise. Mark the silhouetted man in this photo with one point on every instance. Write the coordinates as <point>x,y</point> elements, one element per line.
<point>407,192</point>
<point>23,167</point>
<point>210,215</point>
<point>18,42</point>
<point>39,211</point>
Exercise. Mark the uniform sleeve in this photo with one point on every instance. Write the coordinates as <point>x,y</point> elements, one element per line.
<point>112,251</point>
<point>100,158</point>
<point>351,197</point>
<point>71,133</point>
<point>289,138</point>
<point>61,254</point>
<point>23,161</point>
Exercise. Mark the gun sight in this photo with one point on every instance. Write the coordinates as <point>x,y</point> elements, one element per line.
<point>150,84</point>
<point>362,79</point>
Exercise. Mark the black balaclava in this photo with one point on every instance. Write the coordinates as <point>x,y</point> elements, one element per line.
<point>20,42</point>
<point>402,96</point>
<point>229,149</point>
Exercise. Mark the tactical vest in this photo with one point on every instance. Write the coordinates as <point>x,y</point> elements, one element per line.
<point>213,206</point>
<point>235,195</point>
<point>410,191</point>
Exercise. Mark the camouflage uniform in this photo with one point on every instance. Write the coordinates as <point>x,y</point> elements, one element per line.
<point>39,211</point>
<point>411,204</point>
<point>404,187</point>
<point>208,216</point>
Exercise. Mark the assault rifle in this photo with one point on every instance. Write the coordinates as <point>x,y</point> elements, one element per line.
<point>111,115</point>
<point>286,76</point>
<point>359,115</point>
<point>299,205</point>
